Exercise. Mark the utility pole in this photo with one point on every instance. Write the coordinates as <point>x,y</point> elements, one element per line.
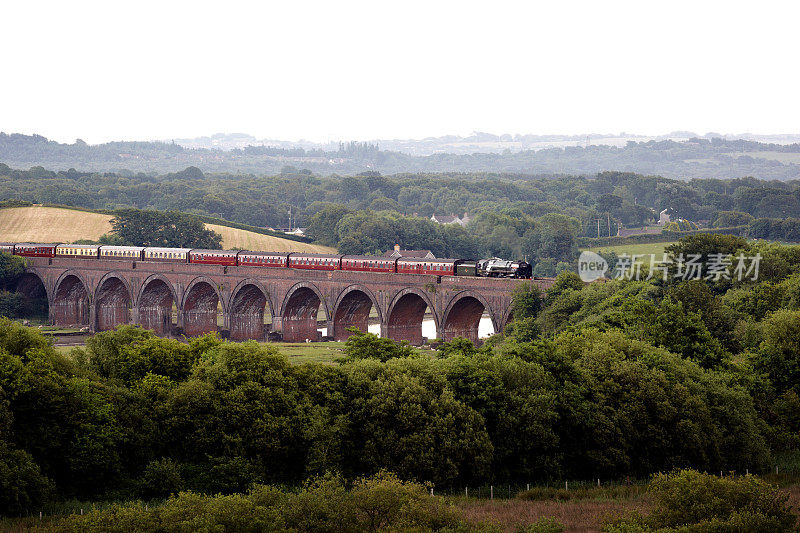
<point>290,218</point>
<point>609,223</point>
<point>598,228</point>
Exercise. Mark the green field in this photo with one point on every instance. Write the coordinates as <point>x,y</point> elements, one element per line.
<point>298,353</point>
<point>316,352</point>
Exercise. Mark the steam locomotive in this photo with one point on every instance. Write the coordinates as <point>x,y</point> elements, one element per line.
<point>493,268</point>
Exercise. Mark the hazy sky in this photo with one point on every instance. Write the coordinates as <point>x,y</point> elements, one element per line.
<point>363,70</point>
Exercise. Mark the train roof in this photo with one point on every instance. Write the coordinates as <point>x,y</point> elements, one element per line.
<point>323,256</point>
<point>369,257</point>
<point>252,252</point>
<point>38,243</point>
<point>157,249</point>
<point>424,260</point>
<point>126,248</point>
<point>210,251</point>
<point>82,246</point>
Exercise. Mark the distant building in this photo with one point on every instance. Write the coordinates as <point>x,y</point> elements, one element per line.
<point>450,219</point>
<point>300,232</point>
<point>416,254</point>
<point>663,217</point>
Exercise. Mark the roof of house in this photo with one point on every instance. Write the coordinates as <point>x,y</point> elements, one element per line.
<point>446,219</point>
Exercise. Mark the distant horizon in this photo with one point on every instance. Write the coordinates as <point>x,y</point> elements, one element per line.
<point>679,133</point>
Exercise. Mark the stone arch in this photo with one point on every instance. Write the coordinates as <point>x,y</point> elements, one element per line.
<point>405,314</point>
<point>299,312</point>
<point>249,302</point>
<point>154,303</point>
<point>200,307</point>
<point>70,300</point>
<point>462,316</point>
<point>32,287</point>
<point>507,317</point>
<point>112,302</point>
<point>352,309</point>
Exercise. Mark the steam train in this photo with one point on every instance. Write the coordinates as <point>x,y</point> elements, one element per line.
<point>495,268</point>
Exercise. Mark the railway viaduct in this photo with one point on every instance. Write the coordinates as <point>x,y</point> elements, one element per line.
<point>104,294</point>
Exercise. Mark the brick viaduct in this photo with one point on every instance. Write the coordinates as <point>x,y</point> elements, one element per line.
<point>103,294</point>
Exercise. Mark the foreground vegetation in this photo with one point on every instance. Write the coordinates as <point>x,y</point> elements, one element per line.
<point>610,380</point>
<point>679,501</point>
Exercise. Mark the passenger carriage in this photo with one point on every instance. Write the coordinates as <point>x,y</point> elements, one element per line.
<point>315,261</point>
<point>119,253</point>
<point>31,249</point>
<point>166,255</point>
<point>368,263</point>
<point>213,257</point>
<point>78,251</point>
<point>263,259</point>
<point>437,267</point>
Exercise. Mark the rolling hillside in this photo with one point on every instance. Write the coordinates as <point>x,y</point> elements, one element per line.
<point>53,224</point>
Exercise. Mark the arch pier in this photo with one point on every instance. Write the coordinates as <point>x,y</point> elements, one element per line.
<point>69,306</point>
<point>154,310</point>
<point>353,310</point>
<point>112,304</point>
<point>249,308</point>
<point>200,309</point>
<point>299,317</point>
<point>406,314</point>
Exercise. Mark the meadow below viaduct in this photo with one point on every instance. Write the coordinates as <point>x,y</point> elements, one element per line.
<point>251,302</point>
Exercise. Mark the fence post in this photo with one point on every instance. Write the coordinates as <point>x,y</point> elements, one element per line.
<point>431,491</point>
<point>528,486</point>
<point>491,492</point>
<point>598,482</point>
<point>566,485</point>
<point>466,492</point>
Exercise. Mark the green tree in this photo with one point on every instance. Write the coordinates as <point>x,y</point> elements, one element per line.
<point>171,229</point>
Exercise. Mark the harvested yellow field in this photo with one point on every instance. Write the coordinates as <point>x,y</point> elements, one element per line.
<point>51,224</point>
<point>248,240</point>
<point>54,224</point>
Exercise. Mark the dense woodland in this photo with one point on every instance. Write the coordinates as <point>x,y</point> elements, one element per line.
<point>606,380</point>
<point>541,219</point>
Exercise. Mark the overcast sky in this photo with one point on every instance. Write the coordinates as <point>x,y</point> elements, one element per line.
<point>364,70</point>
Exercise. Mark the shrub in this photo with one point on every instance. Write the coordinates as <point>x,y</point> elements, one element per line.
<point>22,485</point>
<point>160,479</point>
<point>688,500</point>
<point>543,525</point>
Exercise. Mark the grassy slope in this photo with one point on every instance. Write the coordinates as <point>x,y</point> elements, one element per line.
<point>53,224</point>
<point>50,224</point>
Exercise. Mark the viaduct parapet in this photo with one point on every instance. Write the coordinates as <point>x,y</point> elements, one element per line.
<point>104,294</point>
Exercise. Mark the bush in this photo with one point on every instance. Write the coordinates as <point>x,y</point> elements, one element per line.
<point>543,525</point>
<point>379,503</point>
<point>23,487</point>
<point>161,478</point>
<point>688,500</point>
